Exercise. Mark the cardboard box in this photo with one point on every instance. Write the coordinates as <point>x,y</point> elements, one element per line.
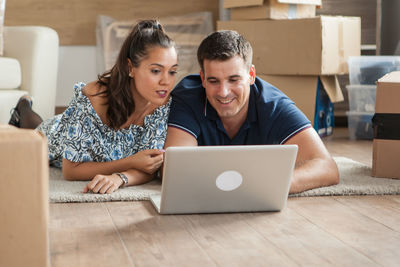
<point>24,171</point>
<point>386,144</point>
<point>313,46</point>
<point>274,9</point>
<point>247,3</point>
<point>314,95</point>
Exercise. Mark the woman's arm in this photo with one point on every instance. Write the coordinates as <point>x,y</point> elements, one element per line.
<point>106,184</point>
<point>146,161</point>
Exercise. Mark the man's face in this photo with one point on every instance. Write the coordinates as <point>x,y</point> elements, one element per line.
<point>227,85</point>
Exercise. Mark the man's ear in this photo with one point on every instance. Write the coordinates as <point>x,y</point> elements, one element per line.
<point>252,73</point>
<point>202,78</point>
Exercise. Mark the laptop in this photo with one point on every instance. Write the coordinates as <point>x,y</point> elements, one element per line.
<point>219,179</point>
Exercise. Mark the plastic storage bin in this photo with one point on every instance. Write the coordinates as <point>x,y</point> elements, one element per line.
<point>360,125</point>
<point>368,69</point>
<point>362,97</point>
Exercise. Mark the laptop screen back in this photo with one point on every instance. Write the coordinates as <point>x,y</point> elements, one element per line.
<point>212,179</point>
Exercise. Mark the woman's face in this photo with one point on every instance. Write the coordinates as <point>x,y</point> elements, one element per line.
<point>154,78</point>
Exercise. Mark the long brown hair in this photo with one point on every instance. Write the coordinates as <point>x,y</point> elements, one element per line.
<point>145,35</point>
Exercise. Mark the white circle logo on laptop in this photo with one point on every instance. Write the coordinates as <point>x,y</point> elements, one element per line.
<point>229,180</point>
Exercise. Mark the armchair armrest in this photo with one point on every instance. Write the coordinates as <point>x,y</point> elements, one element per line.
<point>36,48</point>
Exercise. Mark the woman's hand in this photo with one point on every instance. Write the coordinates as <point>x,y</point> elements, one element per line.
<point>148,161</point>
<point>103,184</point>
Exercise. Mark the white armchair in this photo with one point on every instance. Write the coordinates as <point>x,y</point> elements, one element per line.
<point>29,66</point>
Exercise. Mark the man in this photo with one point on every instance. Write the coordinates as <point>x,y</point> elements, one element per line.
<point>228,105</point>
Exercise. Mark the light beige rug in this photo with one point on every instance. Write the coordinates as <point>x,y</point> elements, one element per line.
<point>355,179</point>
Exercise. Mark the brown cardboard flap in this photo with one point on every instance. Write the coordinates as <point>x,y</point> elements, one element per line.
<point>332,88</point>
<point>245,3</point>
<point>349,40</point>
<point>252,12</point>
<point>272,11</point>
<point>393,77</point>
<point>305,2</point>
<point>303,89</point>
<point>241,3</point>
<point>388,93</point>
<point>330,54</point>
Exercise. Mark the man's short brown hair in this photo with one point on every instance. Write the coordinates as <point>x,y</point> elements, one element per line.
<point>224,45</point>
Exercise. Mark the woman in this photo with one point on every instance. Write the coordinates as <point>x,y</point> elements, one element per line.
<point>113,131</point>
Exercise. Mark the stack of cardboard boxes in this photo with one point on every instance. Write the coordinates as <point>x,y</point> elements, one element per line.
<point>297,52</point>
<point>386,144</point>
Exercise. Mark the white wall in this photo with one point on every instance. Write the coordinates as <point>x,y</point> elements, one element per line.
<point>76,64</point>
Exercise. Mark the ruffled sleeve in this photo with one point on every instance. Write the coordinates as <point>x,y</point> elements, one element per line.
<point>80,128</point>
<point>156,127</point>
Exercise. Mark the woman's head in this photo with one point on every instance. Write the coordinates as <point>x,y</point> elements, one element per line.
<point>152,63</point>
<point>145,35</point>
<point>154,78</point>
<point>146,39</point>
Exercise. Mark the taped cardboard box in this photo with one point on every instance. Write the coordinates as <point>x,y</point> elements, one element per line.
<point>272,9</point>
<point>313,46</point>
<point>386,144</point>
<point>24,171</point>
<point>314,95</point>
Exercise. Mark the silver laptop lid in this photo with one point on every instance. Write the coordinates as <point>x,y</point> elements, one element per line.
<point>209,179</point>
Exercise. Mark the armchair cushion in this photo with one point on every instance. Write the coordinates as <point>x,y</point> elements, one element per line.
<point>10,70</point>
<point>36,50</point>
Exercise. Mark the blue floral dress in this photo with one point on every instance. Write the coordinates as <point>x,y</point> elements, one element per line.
<point>79,135</point>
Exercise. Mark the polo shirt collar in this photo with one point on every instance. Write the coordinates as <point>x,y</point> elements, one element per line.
<point>252,111</point>
<point>209,111</point>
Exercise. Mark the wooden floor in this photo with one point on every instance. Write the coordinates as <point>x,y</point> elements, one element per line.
<point>315,231</point>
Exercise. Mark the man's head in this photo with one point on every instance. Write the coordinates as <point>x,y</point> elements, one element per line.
<point>227,73</point>
<point>223,45</point>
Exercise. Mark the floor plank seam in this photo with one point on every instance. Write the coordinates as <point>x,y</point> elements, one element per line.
<point>336,237</point>
<point>198,244</point>
<point>276,246</point>
<point>356,249</point>
<point>366,215</point>
<point>120,237</point>
<point>395,198</point>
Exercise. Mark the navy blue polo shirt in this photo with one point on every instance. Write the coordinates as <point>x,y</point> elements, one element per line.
<point>272,117</point>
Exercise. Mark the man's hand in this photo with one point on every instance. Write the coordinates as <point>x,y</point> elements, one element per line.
<point>148,161</point>
<point>103,184</point>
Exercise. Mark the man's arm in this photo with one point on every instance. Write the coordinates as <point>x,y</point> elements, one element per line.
<point>179,137</point>
<point>314,165</point>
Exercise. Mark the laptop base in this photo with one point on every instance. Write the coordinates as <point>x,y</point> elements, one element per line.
<point>156,201</point>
